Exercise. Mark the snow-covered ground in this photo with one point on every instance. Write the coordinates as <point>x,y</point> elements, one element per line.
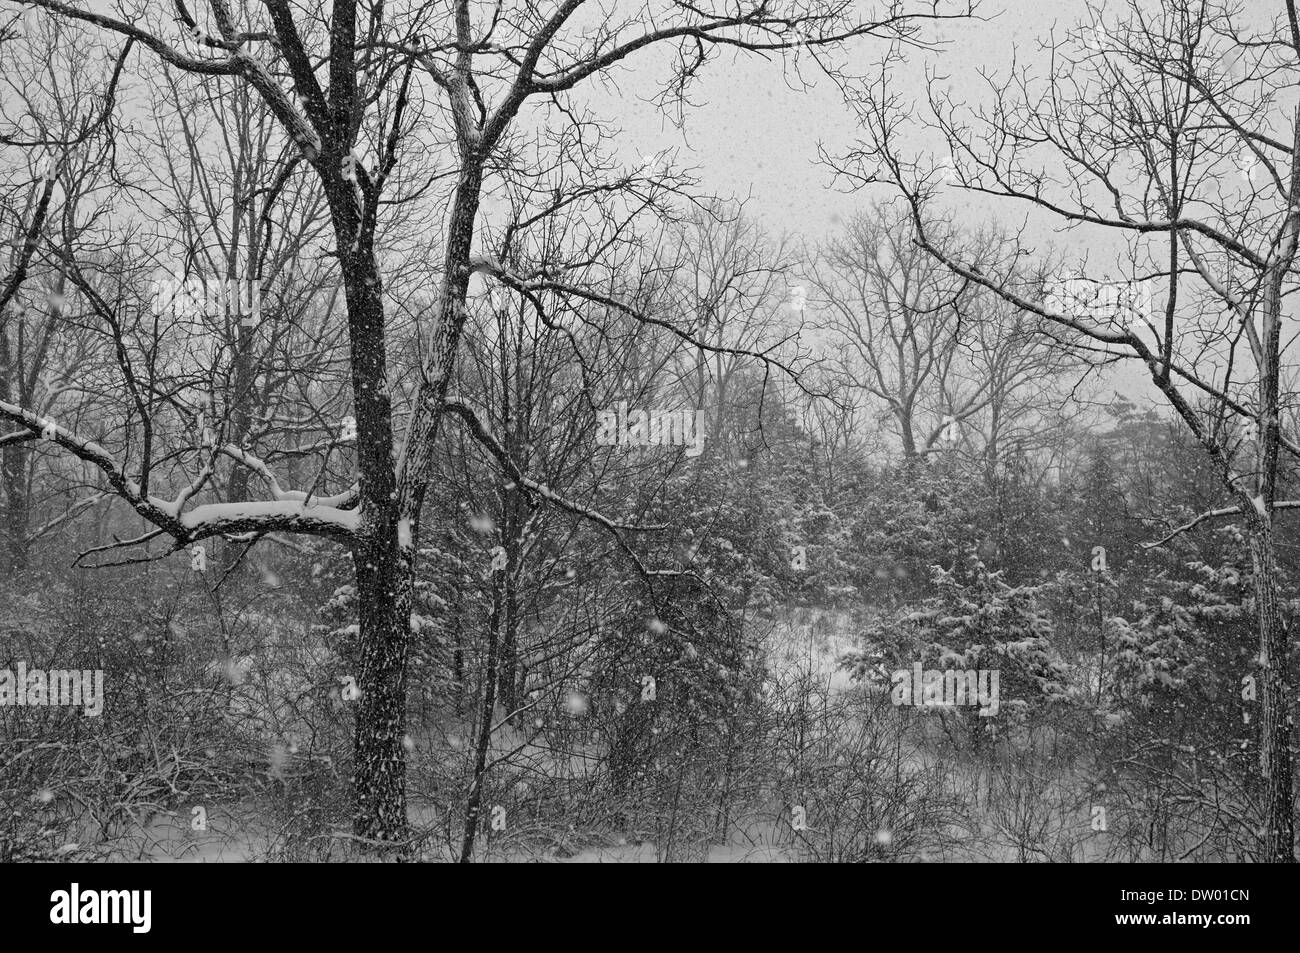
<point>811,641</point>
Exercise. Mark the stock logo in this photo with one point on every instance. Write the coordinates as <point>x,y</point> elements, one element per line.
<point>195,296</point>
<point>77,906</point>
<point>1122,302</point>
<point>660,428</point>
<point>66,688</point>
<point>946,688</point>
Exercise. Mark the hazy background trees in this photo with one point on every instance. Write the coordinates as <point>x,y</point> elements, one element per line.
<point>361,576</point>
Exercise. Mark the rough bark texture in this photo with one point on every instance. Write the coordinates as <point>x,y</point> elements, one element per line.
<point>379,781</point>
<point>384,567</point>
<point>13,477</point>
<point>1275,719</point>
<point>1275,723</point>
<point>474,804</point>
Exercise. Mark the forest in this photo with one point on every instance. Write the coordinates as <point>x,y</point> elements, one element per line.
<point>401,461</point>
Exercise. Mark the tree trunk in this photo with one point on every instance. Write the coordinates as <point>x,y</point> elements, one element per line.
<point>483,742</point>
<point>384,587</point>
<point>511,532</point>
<point>1275,720</point>
<point>13,477</point>
<point>384,562</point>
<point>509,675</point>
<point>13,480</point>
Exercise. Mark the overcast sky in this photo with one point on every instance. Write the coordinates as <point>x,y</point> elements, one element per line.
<point>753,133</point>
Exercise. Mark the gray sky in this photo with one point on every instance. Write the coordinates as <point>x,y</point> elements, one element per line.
<point>753,133</point>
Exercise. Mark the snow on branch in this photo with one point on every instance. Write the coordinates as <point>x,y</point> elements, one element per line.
<point>74,510</point>
<point>165,50</point>
<point>290,512</point>
<point>18,436</point>
<point>1215,514</point>
<point>285,516</point>
<point>154,510</point>
<point>344,500</point>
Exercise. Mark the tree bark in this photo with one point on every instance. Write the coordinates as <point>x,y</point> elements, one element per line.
<point>483,742</point>
<point>384,586</point>
<point>1275,720</point>
<point>13,476</point>
<point>384,563</point>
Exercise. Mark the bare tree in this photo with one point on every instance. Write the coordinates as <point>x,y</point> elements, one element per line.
<point>353,86</point>
<point>943,359</point>
<point>732,281</point>
<point>1167,128</point>
<point>58,131</point>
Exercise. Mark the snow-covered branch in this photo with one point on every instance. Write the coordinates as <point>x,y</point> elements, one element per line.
<point>1215,514</point>
<point>290,512</point>
<point>344,500</point>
